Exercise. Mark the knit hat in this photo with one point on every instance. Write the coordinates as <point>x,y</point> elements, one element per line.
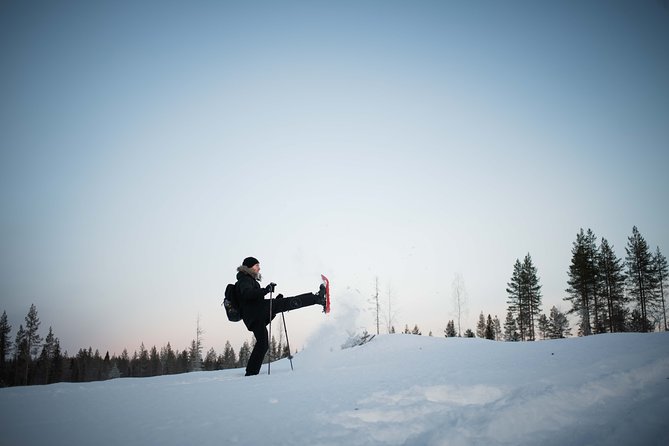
<point>250,261</point>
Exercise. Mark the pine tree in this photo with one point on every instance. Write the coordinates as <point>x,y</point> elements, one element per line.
<point>613,287</point>
<point>640,276</point>
<point>46,357</point>
<point>416,330</point>
<point>533,290</point>
<point>480,326</point>
<point>583,279</point>
<point>516,306</point>
<point>469,333</point>
<point>661,276</point>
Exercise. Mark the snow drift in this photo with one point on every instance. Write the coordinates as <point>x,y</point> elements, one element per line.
<point>396,389</point>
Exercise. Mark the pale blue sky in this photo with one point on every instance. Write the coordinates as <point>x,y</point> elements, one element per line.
<point>147,149</point>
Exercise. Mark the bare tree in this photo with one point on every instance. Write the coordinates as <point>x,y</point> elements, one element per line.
<point>390,317</point>
<point>377,304</point>
<point>459,294</point>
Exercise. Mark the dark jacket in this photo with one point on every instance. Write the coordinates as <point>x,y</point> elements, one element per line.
<point>251,297</point>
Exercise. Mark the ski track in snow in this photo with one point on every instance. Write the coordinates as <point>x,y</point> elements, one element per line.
<point>395,390</point>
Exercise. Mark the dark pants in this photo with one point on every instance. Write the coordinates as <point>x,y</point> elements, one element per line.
<point>259,327</point>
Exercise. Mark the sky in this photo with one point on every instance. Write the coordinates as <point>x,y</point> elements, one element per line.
<point>147,149</point>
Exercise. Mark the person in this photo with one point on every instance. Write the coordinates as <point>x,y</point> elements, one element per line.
<point>255,309</point>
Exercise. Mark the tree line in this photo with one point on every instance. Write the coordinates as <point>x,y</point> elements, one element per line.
<point>606,293</point>
<point>33,360</point>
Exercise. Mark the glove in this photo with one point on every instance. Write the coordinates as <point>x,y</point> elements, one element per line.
<point>270,288</point>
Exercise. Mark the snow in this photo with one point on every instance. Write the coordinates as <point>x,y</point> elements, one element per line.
<point>397,389</point>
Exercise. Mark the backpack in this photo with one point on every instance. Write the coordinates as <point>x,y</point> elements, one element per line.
<point>231,303</point>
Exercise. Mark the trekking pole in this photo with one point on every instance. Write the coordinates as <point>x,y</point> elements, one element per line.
<point>269,336</point>
<point>290,355</point>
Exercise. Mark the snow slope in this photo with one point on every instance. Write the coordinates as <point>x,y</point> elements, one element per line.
<point>397,389</point>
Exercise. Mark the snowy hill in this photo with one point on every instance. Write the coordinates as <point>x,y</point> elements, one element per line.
<point>397,389</point>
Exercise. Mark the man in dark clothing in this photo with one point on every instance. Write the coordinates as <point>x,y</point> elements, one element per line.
<point>255,308</point>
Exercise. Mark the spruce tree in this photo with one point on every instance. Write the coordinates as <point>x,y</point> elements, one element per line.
<point>244,354</point>
<point>56,369</point>
<point>155,367</point>
<point>46,357</point>
<point>168,360</point>
<point>489,329</point>
<point>210,360</point>
<point>543,326</point>
<point>661,276</point>
<point>640,276</point>
<point>5,346</point>
<point>498,328</point>
<point>195,357</point>
<point>525,297</point>
<point>481,326</point>
<point>229,357</point>
<point>510,328</point>
<point>558,324</point>
<point>21,357</point>
<point>449,332</point>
